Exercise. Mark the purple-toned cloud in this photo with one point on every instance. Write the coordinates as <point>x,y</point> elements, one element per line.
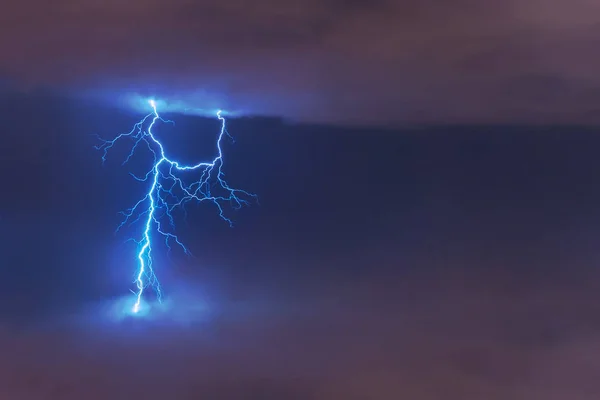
<point>348,61</point>
<point>457,335</point>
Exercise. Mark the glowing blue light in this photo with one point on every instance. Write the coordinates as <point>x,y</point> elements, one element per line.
<point>168,191</point>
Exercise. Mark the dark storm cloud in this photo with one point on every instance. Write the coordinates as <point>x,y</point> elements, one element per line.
<point>339,60</point>
<point>457,335</point>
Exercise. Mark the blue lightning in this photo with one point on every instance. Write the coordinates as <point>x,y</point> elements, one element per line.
<point>169,191</point>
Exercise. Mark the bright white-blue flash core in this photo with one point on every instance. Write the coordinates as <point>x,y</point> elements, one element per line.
<point>168,190</point>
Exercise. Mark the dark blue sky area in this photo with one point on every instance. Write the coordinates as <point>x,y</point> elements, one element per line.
<point>378,263</point>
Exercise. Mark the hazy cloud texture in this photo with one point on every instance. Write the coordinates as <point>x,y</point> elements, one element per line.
<point>444,337</point>
<point>347,61</point>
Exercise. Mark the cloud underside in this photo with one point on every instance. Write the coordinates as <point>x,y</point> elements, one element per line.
<point>341,61</point>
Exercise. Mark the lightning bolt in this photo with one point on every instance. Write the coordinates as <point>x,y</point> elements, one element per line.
<point>167,191</point>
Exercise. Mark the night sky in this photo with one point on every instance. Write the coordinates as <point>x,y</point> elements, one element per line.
<point>427,225</point>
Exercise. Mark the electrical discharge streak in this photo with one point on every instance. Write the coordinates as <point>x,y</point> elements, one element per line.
<point>167,191</point>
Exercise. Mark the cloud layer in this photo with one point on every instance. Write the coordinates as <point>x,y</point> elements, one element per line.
<point>453,337</point>
<point>349,61</point>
